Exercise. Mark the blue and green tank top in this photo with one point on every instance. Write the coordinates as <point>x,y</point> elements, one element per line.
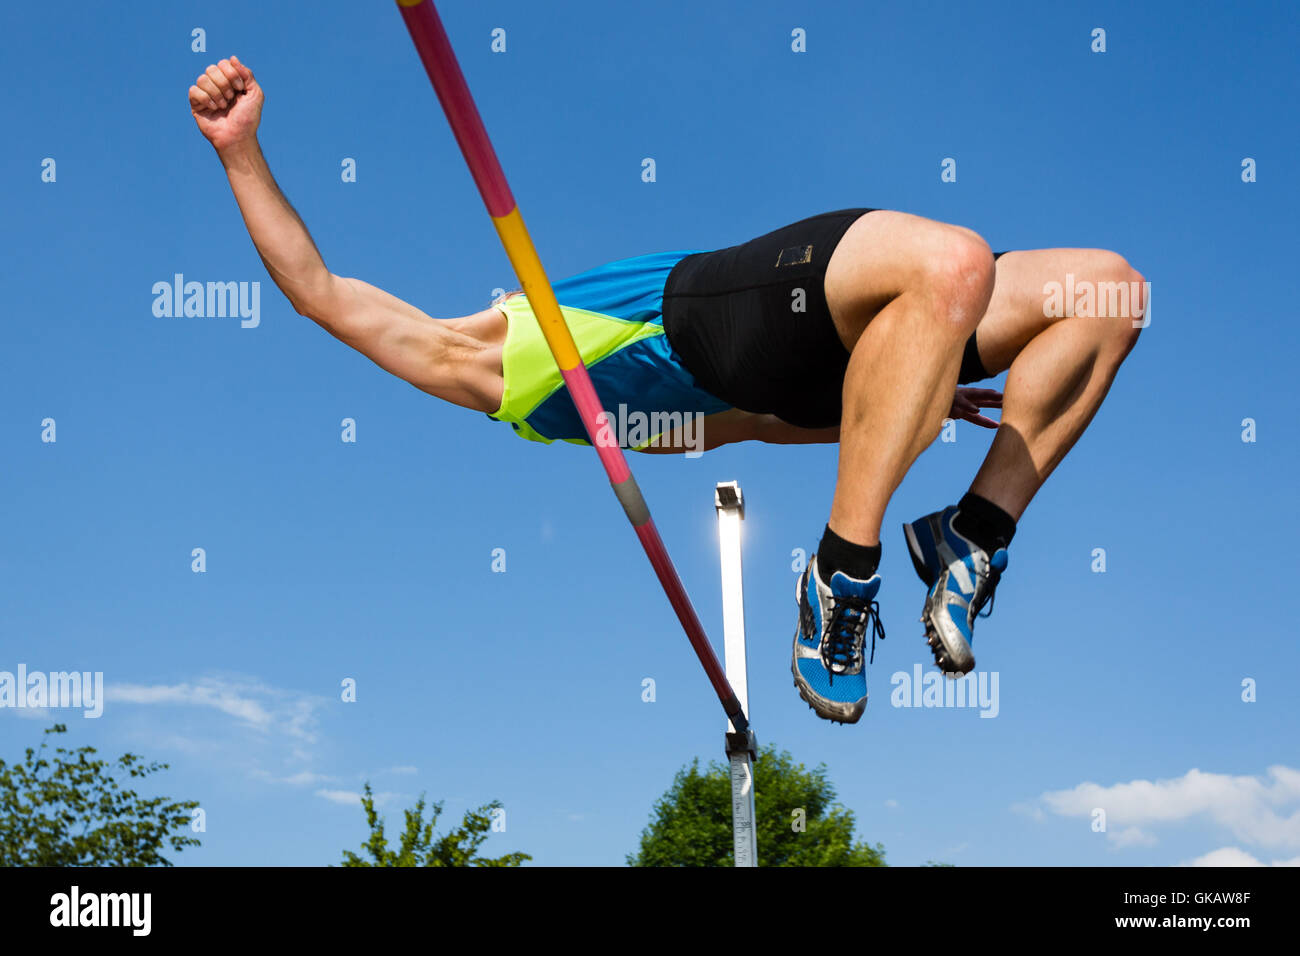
<point>615,313</point>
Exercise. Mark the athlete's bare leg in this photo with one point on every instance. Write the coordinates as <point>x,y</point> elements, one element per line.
<point>905,294</point>
<point>1060,367</point>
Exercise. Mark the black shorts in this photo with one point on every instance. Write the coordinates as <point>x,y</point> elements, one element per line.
<point>732,317</point>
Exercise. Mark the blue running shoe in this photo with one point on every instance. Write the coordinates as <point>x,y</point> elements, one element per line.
<point>827,660</point>
<point>962,578</point>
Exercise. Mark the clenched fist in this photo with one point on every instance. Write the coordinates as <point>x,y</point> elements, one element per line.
<point>227,103</point>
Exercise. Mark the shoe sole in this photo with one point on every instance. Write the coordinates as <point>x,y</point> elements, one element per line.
<point>954,661</point>
<point>806,695</point>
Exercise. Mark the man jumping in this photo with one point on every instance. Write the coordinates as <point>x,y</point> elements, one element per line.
<point>855,326</point>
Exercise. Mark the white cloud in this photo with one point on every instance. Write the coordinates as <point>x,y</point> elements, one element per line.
<point>349,797</point>
<point>254,704</point>
<point>1259,810</point>
<point>306,778</point>
<point>1032,810</point>
<point>403,770</point>
<point>228,721</point>
<point>1234,856</point>
<point>1130,836</point>
<point>352,798</point>
<point>31,713</point>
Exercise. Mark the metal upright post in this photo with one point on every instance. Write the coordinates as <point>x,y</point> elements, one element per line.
<point>742,746</point>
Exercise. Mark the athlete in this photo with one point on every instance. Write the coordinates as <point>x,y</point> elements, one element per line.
<point>857,326</point>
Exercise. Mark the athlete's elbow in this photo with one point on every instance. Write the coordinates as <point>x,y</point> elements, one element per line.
<point>307,308</point>
<point>323,302</point>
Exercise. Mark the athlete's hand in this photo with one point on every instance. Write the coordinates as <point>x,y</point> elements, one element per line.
<point>227,104</point>
<point>968,402</point>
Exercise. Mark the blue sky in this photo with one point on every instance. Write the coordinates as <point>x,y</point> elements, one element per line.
<point>372,560</point>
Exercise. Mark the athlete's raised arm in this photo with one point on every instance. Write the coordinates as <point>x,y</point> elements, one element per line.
<point>443,357</point>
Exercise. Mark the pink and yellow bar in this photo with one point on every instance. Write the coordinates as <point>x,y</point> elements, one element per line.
<point>444,71</point>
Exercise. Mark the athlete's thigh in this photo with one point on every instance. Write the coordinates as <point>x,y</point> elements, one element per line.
<point>1022,295</point>
<point>880,256</point>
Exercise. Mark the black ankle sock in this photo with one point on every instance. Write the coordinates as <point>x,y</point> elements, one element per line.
<point>856,560</point>
<point>984,522</point>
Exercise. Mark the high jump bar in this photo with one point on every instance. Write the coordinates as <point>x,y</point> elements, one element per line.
<point>431,42</point>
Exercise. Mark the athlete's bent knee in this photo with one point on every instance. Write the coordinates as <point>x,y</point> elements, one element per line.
<point>1121,295</point>
<point>959,272</point>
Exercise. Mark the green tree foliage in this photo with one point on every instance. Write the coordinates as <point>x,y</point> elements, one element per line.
<point>691,823</point>
<point>418,847</point>
<point>69,809</point>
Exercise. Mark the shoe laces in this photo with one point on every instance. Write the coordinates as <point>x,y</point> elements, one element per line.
<point>846,635</point>
<point>985,594</point>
